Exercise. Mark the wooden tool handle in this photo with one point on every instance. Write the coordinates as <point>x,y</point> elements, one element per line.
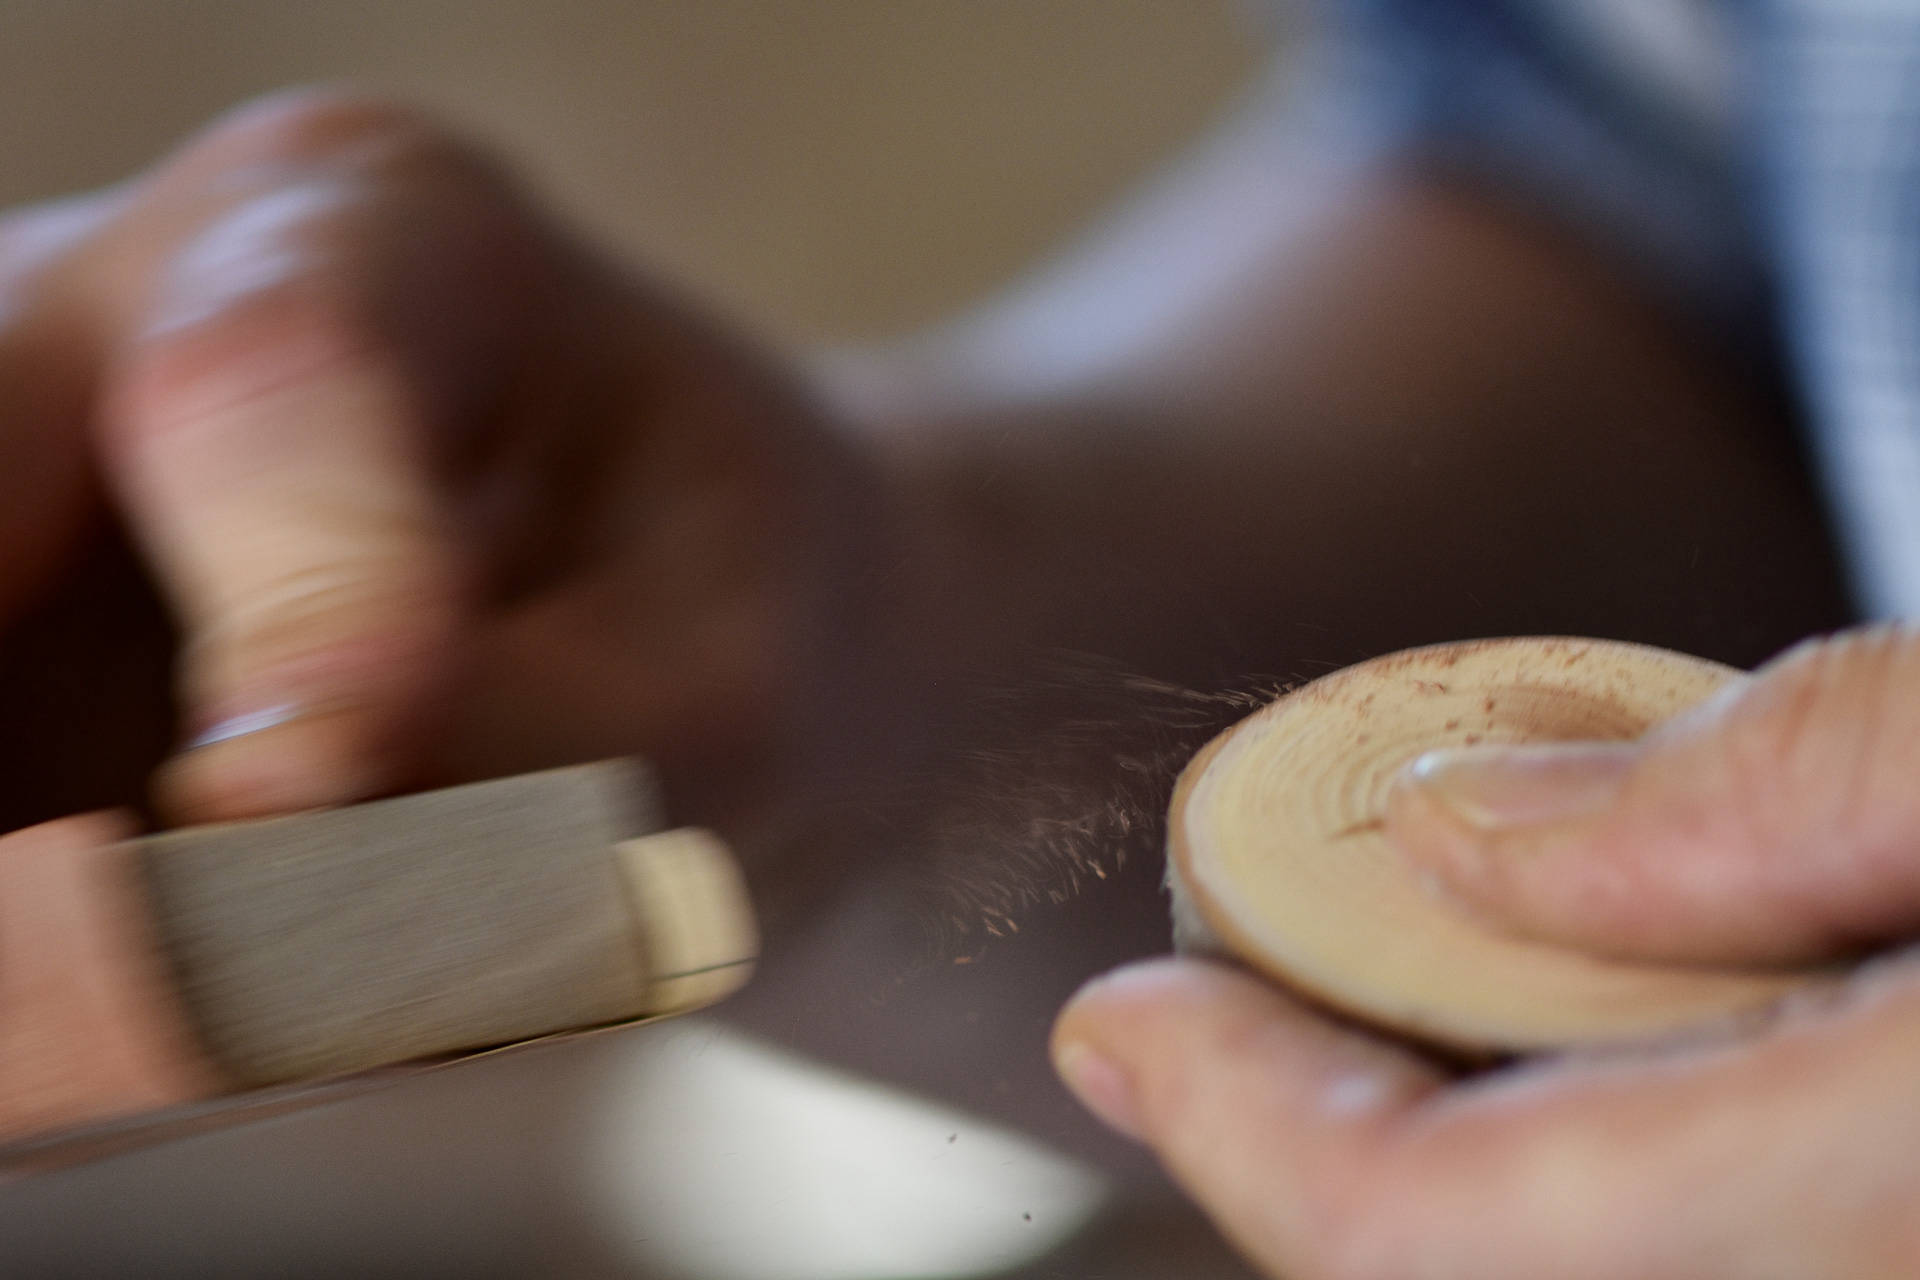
<point>442,923</point>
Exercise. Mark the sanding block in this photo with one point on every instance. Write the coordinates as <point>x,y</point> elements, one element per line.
<point>1277,858</point>
<point>442,923</point>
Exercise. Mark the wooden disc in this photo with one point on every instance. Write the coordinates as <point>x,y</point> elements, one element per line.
<point>1276,855</point>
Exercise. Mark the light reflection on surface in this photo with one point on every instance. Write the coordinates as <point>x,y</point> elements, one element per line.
<point>725,1158</point>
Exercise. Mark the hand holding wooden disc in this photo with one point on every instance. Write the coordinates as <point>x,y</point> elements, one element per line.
<point>1276,854</point>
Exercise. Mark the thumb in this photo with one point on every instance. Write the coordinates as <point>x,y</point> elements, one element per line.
<point>1273,1118</point>
<point>1779,821</point>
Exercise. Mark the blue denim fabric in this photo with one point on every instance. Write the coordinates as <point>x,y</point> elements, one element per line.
<point>1798,224</point>
<point>1502,93</point>
<point>1842,148</point>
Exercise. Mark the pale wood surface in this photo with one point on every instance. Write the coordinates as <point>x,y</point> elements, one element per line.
<point>1277,858</point>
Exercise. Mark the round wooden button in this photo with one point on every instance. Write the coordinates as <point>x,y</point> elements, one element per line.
<point>1276,855</point>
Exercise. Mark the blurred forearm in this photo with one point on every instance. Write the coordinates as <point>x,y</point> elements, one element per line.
<point>1422,417</point>
<point>1413,416</point>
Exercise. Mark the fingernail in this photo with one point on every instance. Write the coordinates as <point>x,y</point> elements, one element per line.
<point>1490,788</point>
<point>240,726</point>
<point>1101,1086</point>
<point>278,759</point>
<point>1359,1093</point>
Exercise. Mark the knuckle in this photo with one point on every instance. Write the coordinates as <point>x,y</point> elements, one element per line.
<point>376,153</point>
<point>349,627</point>
<point>388,602</point>
<point>37,241</point>
<point>268,315</point>
<point>1773,737</point>
<point>1761,746</point>
<point>318,124</point>
<point>343,131</point>
<point>1804,751</point>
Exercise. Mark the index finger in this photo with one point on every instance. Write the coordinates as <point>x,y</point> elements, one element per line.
<point>268,433</point>
<point>1269,1115</point>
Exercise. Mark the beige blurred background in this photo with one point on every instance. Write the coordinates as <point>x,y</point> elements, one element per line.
<point>823,168</point>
